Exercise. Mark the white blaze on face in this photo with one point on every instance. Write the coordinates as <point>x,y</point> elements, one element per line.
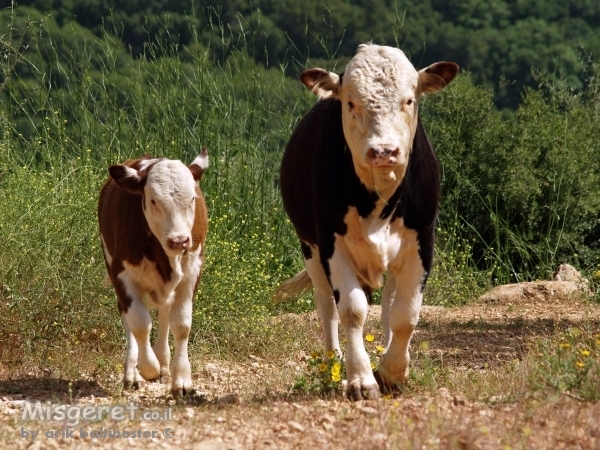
<point>169,204</point>
<point>379,91</point>
<point>379,107</point>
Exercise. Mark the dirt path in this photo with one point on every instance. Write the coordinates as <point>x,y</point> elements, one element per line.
<point>249,406</point>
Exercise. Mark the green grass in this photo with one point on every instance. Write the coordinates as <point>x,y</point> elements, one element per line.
<point>86,110</point>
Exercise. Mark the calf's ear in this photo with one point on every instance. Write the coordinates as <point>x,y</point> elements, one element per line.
<point>435,77</point>
<point>323,83</point>
<point>199,165</point>
<point>129,179</point>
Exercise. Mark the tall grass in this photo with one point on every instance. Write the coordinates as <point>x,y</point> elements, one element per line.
<point>67,112</point>
<point>56,146</point>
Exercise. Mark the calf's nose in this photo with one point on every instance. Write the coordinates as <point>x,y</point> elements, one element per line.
<point>178,242</point>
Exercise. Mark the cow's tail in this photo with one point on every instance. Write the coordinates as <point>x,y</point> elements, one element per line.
<point>293,288</point>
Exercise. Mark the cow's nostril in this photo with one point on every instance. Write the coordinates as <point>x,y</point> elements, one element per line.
<point>372,153</point>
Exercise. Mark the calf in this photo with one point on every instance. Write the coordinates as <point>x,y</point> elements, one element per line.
<point>153,224</point>
<point>360,183</point>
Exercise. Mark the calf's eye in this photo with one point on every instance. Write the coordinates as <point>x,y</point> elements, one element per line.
<point>350,106</point>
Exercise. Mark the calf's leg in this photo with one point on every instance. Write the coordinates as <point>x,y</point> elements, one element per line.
<point>161,346</point>
<point>180,321</point>
<point>131,377</point>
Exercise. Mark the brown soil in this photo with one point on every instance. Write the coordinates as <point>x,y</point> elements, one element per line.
<point>249,405</point>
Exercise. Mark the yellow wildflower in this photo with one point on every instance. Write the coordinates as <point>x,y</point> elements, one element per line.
<point>380,349</point>
<point>337,367</point>
<point>372,365</point>
<point>314,355</point>
<point>330,354</point>
<point>322,367</point>
<point>580,364</point>
<point>584,352</point>
<point>564,345</point>
<point>369,338</point>
<point>335,377</point>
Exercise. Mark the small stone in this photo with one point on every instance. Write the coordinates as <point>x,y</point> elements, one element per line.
<point>230,399</point>
<point>459,400</point>
<point>211,368</point>
<point>296,426</point>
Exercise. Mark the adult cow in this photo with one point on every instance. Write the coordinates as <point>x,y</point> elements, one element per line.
<point>360,183</point>
<point>153,224</point>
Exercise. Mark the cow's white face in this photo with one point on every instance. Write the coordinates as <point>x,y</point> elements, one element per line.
<point>169,197</point>
<point>379,92</point>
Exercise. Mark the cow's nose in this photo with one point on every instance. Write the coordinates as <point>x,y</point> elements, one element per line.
<point>383,155</point>
<point>179,242</point>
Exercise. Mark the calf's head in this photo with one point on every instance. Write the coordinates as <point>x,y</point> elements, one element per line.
<point>168,195</point>
<point>379,91</point>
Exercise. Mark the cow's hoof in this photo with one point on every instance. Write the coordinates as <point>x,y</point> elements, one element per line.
<point>386,385</point>
<point>188,396</point>
<point>133,385</point>
<point>165,375</point>
<point>356,392</point>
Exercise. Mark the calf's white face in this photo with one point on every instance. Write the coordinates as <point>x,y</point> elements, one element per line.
<point>169,197</point>
<point>379,92</point>
<point>169,204</point>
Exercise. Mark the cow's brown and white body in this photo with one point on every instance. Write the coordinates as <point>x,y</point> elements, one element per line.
<point>153,224</point>
<point>360,183</point>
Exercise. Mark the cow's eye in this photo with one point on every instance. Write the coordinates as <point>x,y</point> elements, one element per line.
<point>153,202</point>
<point>410,101</point>
<point>350,106</point>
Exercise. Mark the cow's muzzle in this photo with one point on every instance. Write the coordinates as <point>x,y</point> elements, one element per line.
<point>385,156</point>
<point>179,243</point>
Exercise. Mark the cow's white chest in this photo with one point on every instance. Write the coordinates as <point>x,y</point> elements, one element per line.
<point>374,244</point>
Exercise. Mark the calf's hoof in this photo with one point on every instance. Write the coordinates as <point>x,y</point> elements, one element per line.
<point>355,391</point>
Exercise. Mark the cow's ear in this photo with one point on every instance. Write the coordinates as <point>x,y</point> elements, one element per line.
<point>435,77</point>
<point>323,83</point>
<point>129,179</point>
<point>199,165</point>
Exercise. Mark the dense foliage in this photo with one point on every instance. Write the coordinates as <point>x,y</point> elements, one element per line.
<point>499,41</point>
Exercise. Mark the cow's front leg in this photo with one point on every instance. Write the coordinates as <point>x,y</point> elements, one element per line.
<point>161,346</point>
<point>325,301</point>
<point>353,309</point>
<point>404,315</point>
<point>180,321</point>
<point>387,299</point>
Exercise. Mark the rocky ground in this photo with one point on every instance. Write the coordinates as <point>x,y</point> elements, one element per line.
<point>249,405</point>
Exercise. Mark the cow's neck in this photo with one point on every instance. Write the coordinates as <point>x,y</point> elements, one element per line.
<point>384,181</point>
